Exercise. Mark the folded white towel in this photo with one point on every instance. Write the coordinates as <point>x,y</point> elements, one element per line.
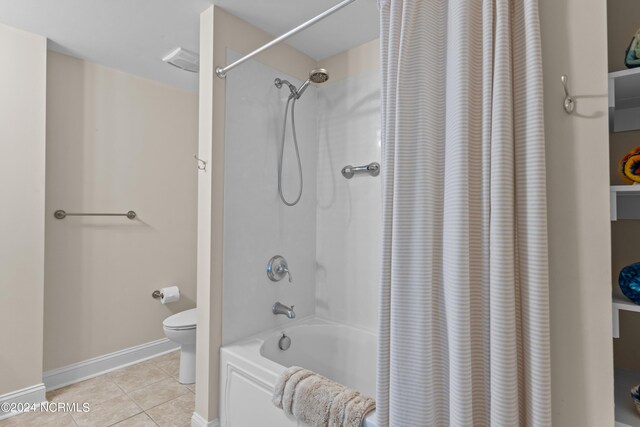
<point>318,401</point>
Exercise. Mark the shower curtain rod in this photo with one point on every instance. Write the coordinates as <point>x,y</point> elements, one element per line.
<point>222,72</point>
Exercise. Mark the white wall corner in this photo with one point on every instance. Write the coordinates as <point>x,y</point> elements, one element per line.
<point>198,421</point>
<point>34,394</point>
<point>90,368</point>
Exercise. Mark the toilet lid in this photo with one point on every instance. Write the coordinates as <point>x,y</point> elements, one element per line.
<point>184,319</point>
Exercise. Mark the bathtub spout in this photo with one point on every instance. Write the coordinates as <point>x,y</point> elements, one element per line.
<point>279,308</point>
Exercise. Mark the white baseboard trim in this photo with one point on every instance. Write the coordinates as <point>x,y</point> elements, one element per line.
<point>198,421</point>
<point>34,394</point>
<point>86,369</point>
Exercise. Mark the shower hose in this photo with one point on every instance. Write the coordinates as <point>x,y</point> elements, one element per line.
<point>295,144</point>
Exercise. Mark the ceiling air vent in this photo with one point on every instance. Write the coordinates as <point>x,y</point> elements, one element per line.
<point>183,59</point>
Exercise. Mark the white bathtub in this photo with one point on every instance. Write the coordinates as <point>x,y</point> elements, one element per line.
<point>249,368</point>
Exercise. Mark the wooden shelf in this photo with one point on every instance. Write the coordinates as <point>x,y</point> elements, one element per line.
<point>625,202</point>
<point>624,100</point>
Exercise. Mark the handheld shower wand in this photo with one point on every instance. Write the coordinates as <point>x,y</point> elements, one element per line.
<point>317,76</point>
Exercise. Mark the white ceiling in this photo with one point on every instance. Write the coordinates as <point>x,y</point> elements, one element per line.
<point>133,35</point>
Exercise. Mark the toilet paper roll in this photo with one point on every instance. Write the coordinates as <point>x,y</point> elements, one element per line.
<point>169,294</point>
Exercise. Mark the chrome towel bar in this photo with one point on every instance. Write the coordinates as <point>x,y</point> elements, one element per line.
<point>60,214</point>
<point>372,169</point>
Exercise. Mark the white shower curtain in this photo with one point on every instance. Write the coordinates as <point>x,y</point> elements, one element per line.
<point>464,330</point>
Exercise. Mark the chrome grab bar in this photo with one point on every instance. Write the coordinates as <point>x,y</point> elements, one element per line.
<point>372,169</point>
<point>60,214</point>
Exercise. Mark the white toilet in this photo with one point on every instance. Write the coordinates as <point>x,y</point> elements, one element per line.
<point>181,328</point>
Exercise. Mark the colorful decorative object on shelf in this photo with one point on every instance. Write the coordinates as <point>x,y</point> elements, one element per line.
<point>629,281</point>
<point>632,55</point>
<point>635,396</point>
<point>629,166</point>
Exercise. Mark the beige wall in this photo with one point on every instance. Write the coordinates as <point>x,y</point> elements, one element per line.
<point>578,200</point>
<point>22,171</point>
<point>219,31</point>
<point>115,142</point>
<point>358,60</point>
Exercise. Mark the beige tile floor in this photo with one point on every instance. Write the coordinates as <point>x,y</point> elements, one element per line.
<point>140,395</point>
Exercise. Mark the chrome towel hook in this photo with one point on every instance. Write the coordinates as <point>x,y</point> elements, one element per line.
<point>569,102</point>
<point>202,164</point>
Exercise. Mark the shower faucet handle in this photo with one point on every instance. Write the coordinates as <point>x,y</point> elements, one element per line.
<point>277,267</point>
<point>286,270</point>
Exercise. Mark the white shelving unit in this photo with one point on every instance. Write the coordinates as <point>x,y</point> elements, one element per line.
<point>625,204</point>
<point>625,200</point>
<point>624,100</point>
<point>624,115</point>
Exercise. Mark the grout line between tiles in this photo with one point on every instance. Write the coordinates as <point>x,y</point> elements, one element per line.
<point>170,400</point>
<point>121,389</point>
<point>146,385</point>
<point>128,418</point>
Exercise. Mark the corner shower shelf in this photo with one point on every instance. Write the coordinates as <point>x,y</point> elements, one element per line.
<point>624,100</point>
<point>625,202</point>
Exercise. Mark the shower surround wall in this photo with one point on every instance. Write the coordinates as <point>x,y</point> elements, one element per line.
<point>241,221</point>
<point>331,237</point>
<point>348,210</point>
<point>115,142</point>
<point>257,224</point>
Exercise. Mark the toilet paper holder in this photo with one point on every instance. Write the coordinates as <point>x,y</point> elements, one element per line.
<point>167,295</point>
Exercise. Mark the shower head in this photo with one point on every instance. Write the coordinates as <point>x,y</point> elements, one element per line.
<point>317,76</point>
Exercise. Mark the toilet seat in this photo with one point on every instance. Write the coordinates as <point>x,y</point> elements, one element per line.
<point>181,321</point>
